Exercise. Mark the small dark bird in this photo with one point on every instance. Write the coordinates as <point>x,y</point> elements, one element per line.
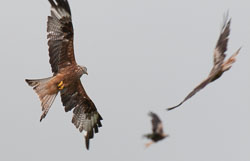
<point>66,74</point>
<point>220,66</point>
<point>157,129</point>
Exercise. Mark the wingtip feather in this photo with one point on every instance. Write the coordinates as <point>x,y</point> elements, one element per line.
<point>87,141</point>
<point>52,3</point>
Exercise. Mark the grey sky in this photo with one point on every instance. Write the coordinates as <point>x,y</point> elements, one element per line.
<point>141,55</point>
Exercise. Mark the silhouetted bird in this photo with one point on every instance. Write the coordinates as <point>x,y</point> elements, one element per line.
<point>157,129</point>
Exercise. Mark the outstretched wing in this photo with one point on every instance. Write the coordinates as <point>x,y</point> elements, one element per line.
<point>60,35</point>
<point>195,90</point>
<point>156,123</point>
<point>85,115</point>
<point>221,46</point>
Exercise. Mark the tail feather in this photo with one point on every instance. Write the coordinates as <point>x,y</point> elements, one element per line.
<point>39,85</point>
<point>46,104</point>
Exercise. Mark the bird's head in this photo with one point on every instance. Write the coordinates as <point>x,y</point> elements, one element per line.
<point>82,70</point>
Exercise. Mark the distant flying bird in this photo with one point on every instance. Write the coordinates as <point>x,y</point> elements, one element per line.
<point>66,74</point>
<point>220,66</point>
<point>157,129</point>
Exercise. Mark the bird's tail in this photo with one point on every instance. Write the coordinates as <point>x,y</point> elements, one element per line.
<point>228,64</point>
<point>46,98</point>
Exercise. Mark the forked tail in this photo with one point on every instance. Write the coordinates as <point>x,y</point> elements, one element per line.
<point>46,98</point>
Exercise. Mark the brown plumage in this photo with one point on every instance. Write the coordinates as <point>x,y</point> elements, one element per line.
<point>66,74</point>
<point>220,66</point>
<point>157,130</point>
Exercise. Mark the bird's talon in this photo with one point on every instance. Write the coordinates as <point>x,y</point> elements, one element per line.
<point>60,83</point>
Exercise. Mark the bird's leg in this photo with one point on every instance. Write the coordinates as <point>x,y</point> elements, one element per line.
<point>148,144</point>
<point>60,85</point>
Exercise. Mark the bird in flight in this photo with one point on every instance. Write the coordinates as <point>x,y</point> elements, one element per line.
<point>157,130</point>
<point>220,66</point>
<point>66,74</point>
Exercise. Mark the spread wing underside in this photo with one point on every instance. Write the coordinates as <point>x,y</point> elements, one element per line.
<point>60,35</point>
<point>85,115</point>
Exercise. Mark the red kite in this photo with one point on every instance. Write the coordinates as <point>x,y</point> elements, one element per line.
<point>66,74</point>
<point>220,66</point>
<point>157,130</point>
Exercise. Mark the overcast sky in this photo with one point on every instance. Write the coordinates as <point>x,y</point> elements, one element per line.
<point>141,55</point>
